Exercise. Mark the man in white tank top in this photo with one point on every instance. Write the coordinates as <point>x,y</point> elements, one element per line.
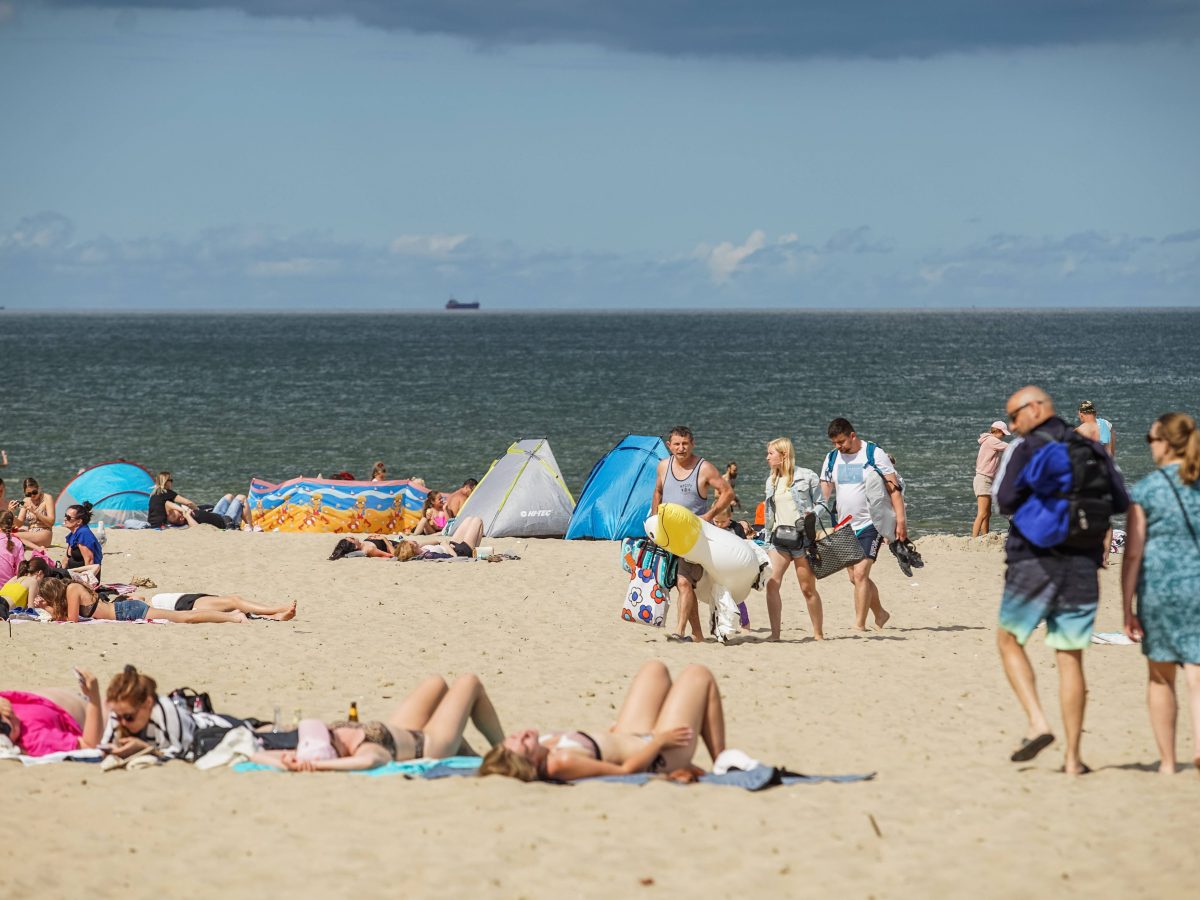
<point>685,479</point>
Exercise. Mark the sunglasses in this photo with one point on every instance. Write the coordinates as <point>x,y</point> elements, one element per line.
<point>1150,439</point>
<point>70,518</point>
<point>5,728</point>
<point>125,718</point>
<point>31,493</point>
<point>1012,416</point>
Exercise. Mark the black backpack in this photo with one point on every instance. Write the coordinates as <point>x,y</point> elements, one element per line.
<point>1090,499</point>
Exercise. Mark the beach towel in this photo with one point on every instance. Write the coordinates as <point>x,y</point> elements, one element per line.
<point>414,768</point>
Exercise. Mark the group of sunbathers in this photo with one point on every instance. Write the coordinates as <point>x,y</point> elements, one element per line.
<point>656,730</point>
<point>468,533</point>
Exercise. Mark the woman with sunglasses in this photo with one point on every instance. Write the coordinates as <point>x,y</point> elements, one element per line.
<point>83,548</point>
<point>53,720</point>
<point>168,507</point>
<point>1162,569</point>
<point>35,515</point>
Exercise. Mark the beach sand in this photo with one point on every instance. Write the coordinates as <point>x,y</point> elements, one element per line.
<point>923,703</point>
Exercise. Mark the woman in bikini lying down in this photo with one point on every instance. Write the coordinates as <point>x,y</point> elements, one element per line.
<point>373,545</point>
<point>467,535</point>
<point>656,731</point>
<point>72,601</point>
<point>428,723</point>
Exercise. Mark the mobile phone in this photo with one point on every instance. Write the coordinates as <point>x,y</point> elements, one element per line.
<point>79,675</point>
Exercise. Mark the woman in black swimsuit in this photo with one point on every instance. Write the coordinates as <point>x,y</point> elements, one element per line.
<point>373,545</point>
<point>656,731</point>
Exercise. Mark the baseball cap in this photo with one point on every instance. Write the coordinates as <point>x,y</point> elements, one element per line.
<point>1087,406</point>
<point>1000,426</point>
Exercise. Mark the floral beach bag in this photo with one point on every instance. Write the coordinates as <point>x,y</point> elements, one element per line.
<point>652,575</point>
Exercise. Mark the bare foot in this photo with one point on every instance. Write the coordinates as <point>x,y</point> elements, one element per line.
<point>1078,768</point>
<point>860,627</point>
<point>818,636</point>
<point>286,615</point>
<point>773,639</point>
<point>880,621</point>
<point>1164,769</point>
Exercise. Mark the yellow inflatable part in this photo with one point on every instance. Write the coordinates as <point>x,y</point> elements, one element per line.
<point>678,529</point>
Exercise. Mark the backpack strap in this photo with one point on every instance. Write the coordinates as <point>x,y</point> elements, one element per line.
<point>871,448</point>
<point>1183,509</point>
<point>828,468</point>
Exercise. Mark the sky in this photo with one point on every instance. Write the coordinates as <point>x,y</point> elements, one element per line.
<point>597,154</point>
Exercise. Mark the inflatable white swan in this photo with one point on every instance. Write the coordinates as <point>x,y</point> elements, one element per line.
<point>732,566</point>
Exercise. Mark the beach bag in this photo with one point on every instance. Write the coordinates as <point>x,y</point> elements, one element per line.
<point>643,553</point>
<point>646,599</point>
<point>834,550</point>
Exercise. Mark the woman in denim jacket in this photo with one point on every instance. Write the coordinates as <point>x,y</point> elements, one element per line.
<point>791,493</point>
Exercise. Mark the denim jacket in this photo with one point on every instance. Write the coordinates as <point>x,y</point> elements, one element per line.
<point>806,494</point>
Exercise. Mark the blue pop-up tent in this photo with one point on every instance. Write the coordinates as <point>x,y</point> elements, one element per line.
<point>118,491</point>
<point>616,496</point>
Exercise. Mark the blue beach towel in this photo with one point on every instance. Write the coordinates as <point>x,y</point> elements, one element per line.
<point>1043,518</point>
<point>415,768</point>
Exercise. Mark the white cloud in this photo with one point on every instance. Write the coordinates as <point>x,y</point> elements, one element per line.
<point>289,268</point>
<point>435,245</point>
<point>724,259</point>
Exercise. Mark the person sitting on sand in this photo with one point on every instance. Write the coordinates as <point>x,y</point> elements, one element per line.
<point>72,601</point>
<point>53,720</point>
<point>12,551</point>
<point>433,515</point>
<point>456,499</point>
<point>467,536</point>
<point>167,507</point>
<point>429,723</point>
<point>35,515</point>
<point>373,545</point>
<point>24,588</point>
<point>655,731</point>
<point>83,548</point>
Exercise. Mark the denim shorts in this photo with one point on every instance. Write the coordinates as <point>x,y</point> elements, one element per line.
<point>130,610</point>
<point>792,552</point>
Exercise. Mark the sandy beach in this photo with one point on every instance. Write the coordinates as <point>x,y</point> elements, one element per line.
<point>923,703</point>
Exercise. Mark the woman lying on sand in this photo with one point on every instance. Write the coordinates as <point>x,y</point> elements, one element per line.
<point>467,535</point>
<point>655,731</point>
<point>373,545</point>
<point>53,720</point>
<point>428,723</point>
<point>71,601</point>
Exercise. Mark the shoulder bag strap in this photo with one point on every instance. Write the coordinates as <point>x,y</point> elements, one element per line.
<point>1183,509</point>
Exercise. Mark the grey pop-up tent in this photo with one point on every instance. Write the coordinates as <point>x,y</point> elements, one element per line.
<point>522,495</point>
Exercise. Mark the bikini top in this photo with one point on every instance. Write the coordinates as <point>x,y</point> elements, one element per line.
<point>572,740</point>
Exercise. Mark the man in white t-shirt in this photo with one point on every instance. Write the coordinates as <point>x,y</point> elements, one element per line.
<point>848,476</point>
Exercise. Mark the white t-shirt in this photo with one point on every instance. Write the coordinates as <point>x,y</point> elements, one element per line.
<point>849,471</point>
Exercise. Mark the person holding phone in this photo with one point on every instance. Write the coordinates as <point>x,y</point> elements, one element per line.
<point>53,720</point>
<point>34,514</point>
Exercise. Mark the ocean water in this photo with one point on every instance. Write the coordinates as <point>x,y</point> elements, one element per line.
<point>218,399</point>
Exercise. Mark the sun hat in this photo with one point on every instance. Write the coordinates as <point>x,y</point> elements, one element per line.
<point>1000,426</point>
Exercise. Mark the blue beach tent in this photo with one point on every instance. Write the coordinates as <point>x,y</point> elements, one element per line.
<point>616,496</point>
<point>118,491</point>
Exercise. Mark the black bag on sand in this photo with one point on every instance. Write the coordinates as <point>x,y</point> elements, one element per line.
<point>833,551</point>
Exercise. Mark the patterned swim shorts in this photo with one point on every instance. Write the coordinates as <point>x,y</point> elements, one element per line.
<point>1062,591</point>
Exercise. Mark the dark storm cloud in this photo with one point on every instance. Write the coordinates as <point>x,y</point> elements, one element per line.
<point>794,29</point>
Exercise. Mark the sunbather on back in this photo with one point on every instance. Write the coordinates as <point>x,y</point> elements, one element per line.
<point>656,731</point>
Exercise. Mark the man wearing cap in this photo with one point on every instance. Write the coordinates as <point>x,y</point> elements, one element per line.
<point>1096,429</point>
<point>991,448</point>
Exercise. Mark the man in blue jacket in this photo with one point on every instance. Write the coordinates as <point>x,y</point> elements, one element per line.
<point>1057,585</point>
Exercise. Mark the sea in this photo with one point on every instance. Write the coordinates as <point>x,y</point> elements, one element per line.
<point>221,398</point>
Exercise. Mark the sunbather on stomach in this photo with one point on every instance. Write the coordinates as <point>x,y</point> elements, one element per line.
<point>656,731</point>
<point>428,723</point>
